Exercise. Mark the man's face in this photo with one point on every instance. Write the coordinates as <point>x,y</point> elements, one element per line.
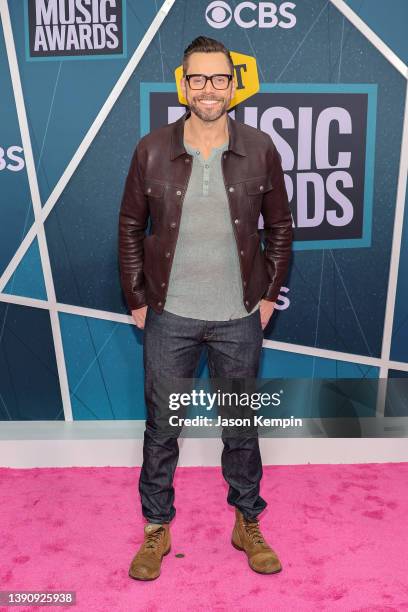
<point>209,103</point>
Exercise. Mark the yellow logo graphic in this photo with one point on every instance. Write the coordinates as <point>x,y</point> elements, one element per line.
<point>245,78</point>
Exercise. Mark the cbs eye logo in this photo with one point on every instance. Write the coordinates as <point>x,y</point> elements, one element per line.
<point>248,14</point>
<point>218,14</point>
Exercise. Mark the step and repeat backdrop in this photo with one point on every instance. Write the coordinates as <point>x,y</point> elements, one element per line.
<point>82,82</point>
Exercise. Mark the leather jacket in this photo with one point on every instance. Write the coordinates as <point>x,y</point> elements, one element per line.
<point>155,187</point>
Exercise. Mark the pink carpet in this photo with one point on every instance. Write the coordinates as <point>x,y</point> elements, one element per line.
<point>341,532</point>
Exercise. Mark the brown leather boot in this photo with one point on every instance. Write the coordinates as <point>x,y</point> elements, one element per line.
<point>247,536</point>
<point>147,561</point>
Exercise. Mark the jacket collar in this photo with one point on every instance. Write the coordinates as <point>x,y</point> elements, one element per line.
<point>236,143</point>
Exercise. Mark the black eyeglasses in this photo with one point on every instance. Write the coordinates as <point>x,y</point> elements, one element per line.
<point>199,81</point>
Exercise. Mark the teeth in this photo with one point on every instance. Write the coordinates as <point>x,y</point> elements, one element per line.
<point>209,102</point>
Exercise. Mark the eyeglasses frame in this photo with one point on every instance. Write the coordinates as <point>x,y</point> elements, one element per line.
<point>208,78</point>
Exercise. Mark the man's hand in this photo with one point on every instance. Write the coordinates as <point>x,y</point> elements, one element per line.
<point>266,307</point>
<point>139,316</point>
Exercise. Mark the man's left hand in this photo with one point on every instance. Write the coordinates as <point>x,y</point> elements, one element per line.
<point>266,308</point>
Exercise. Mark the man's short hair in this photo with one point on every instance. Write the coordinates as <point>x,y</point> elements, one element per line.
<point>204,44</point>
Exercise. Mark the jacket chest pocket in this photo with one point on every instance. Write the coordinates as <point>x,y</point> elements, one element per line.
<point>154,189</point>
<point>255,189</point>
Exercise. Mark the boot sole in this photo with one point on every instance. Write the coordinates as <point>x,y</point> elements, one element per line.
<point>155,577</point>
<point>254,570</point>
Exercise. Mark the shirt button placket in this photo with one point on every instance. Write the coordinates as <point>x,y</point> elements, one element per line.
<point>206,178</point>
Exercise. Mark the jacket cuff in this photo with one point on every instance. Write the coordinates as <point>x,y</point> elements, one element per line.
<point>136,299</point>
<point>272,293</point>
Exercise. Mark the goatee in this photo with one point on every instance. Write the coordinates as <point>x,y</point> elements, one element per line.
<point>211,114</point>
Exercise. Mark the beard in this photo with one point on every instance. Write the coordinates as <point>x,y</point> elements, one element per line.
<point>210,114</point>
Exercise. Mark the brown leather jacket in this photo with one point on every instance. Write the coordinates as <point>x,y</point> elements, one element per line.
<point>155,186</point>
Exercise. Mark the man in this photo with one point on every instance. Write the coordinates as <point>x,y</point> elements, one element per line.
<point>201,278</point>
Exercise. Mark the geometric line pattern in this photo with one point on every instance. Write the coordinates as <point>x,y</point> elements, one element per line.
<point>36,201</point>
<point>41,212</point>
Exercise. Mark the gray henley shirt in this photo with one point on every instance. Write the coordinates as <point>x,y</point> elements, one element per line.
<point>205,279</point>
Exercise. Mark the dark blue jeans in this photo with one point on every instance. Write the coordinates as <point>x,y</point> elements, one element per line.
<point>172,348</point>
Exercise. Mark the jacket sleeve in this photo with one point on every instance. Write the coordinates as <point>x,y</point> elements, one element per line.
<point>133,220</point>
<point>278,231</point>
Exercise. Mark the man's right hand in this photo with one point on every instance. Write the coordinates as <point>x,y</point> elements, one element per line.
<point>139,316</point>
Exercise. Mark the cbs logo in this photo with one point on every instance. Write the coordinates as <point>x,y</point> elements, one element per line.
<point>248,14</point>
<point>10,160</point>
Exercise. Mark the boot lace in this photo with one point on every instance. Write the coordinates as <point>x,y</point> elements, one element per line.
<point>152,539</point>
<point>253,531</point>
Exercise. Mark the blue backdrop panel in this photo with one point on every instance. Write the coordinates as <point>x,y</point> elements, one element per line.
<point>388,20</point>
<point>397,406</point>
<point>104,379</point>
<point>82,227</point>
<point>28,279</point>
<point>64,96</point>
<point>399,345</point>
<point>29,383</point>
<point>16,213</point>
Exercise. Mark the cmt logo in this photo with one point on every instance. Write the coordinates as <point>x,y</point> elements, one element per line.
<point>219,14</point>
<point>245,77</point>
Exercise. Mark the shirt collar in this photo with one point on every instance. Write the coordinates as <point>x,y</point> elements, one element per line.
<point>236,143</point>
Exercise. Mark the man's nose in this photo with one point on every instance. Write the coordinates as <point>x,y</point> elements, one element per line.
<point>209,87</point>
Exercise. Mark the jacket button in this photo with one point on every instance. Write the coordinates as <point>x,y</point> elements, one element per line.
<point>178,192</point>
<point>225,156</point>
<point>246,302</point>
<point>187,159</point>
<point>173,224</point>
<point>163,284</point>
<point>149,189</point>
<point>261,187</point>
<point>236,221</point>
<point>159,303</point>
<point>168,254</point>
<point>242,252</point>
<point>230,189</point>
<point>245,284</point>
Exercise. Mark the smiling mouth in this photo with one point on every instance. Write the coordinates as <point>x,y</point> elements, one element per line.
<point>209,102</point>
